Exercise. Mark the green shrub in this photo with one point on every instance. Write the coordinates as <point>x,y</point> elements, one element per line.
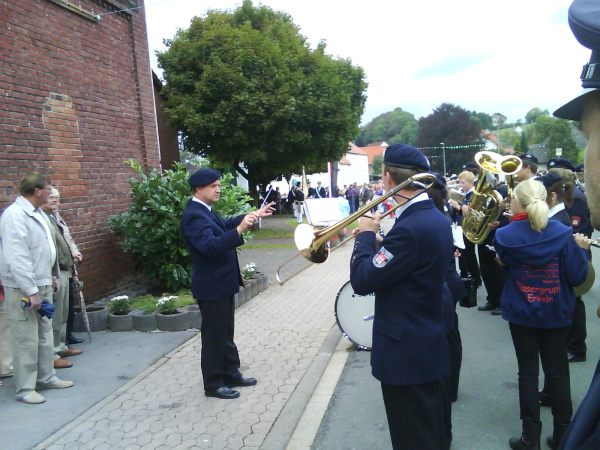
<point>149,230</point>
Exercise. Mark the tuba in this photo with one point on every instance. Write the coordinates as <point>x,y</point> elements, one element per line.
<point>487,204</point>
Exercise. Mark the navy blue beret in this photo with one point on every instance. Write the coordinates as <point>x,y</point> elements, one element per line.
<point>549,179</point>
<point>405,156</point>
<point>528,157</point>
<point>579,168</point>
<point>204,177</point>
<point>561,163</point>
<point>469,165</point>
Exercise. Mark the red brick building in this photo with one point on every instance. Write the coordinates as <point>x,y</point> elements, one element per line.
<point>76,102</point>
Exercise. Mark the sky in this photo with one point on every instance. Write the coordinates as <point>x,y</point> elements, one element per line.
<point>503,57</point>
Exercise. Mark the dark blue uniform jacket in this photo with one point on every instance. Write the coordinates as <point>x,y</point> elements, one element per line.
<point>408,276</point>
<point>212,242</point>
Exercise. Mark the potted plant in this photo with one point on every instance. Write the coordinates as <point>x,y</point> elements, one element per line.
<point>118,319</point>
<point>169,318</point>
<point>249,276</point>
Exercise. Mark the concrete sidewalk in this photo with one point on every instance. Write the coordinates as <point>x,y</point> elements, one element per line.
<point>285,337</point>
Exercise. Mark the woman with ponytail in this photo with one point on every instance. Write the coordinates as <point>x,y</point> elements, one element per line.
<point>543,261</point>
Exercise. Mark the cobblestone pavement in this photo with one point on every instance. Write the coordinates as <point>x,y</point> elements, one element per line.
<point>278,334</point>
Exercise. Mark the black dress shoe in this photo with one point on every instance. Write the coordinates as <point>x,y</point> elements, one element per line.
<point>73,340</point>
<point>487,307</point>
<point>544,399</point>
<point>241,382</point>
<point>497,312</point>
<point>575,358</point>
<point>223,392</point>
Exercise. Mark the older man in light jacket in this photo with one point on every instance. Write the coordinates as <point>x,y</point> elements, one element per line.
<point>27,261</point>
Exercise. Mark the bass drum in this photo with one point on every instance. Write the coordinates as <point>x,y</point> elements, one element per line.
<point>354,315</point>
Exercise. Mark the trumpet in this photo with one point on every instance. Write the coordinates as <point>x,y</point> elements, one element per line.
<point>313,243</point>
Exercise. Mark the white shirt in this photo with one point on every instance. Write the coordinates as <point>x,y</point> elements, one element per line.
<point>194,199</point>
<point>556,209</point>
<point>419,198</point>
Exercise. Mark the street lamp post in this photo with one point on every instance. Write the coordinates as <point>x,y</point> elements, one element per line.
<point>444,156</point>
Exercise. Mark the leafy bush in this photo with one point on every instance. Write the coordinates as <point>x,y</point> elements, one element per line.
<point>249,271</point>
<point>119,305</point>
<point>149,230</point>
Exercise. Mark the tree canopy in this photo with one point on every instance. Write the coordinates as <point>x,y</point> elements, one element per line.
<point>534,113</point>
<point>397,126</point>
<point>455,127</point>
<point>556,133</point>
<point>244,87</point>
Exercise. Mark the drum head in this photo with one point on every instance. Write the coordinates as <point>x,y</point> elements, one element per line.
<point>354,315</point>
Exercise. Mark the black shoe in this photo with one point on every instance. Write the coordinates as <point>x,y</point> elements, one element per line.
<point>73,340</point>
<point>241,382</point>
<point>487,307</point>
<point>575,358</point>
<point>497,312</point>
<point>223,393</point>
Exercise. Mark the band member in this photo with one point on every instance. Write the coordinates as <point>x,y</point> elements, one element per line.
<point>543,262</point>
<point>298,202</point>
<point>407,272</point>
<point>216,278</point>
<point>529,167</point>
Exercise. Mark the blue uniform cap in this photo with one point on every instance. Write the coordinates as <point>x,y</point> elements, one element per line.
<point>406,157</point>
<point>561,163</point>
<point>549,179</point>
<point>579,168</point>
<point>204,177</point>
<point>528,157</point>
<point>469,165</point>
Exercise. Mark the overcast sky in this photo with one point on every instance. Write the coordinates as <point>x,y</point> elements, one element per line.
<point>491,56</point>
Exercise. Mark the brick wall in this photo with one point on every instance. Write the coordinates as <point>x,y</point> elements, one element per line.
<point>167,134</point>
<point>76,102</point>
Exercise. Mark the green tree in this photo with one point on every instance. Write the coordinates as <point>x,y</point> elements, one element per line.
<point>149,229</point>
<point>484,119</point>
<point>556,133</point>
<point>534,113</point>
<point>393,127</point>
<point>459,132</point>
<point>244,87</point>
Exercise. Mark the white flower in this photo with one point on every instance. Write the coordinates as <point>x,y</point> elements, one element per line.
<point>119,298</point>
<point>164,300</point>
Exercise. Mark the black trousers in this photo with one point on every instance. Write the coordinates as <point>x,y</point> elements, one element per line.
<point>455,347</point>
<point>417,415</point>
<point>220,360</point>
<point>492,274</point>
<point>549,345</point>
<point>577,330</point>
<point>468,262</point>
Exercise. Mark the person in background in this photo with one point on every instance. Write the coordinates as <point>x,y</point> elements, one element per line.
<point>407,270</point>
<point>29,270</point>
<point>529,168</point>
<point>298,202</point>
<point>543,262</point>
<point>66,264</point>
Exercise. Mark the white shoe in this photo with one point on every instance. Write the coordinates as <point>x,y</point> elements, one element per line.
<point>55,383</point>
<point>31,398</point>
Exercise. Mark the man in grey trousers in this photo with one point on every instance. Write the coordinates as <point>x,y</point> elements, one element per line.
<point>27,262</point>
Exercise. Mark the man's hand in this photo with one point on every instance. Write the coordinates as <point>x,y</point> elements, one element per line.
<point>77,256</point>
<point>582,240</point>
<point>35,301</point>
<point>493,225</point>
<point>247,222</point>
<point>266,210</point>
<point>369,223</point>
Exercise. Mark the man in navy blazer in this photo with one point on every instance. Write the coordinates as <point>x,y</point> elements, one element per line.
<point>216,278</point>
<point>407,271</point>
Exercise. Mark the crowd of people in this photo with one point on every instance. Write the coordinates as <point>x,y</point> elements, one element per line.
<point>37,269</point>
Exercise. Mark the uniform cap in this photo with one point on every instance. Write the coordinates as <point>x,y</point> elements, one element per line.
<point>405,156</point>
<point>204,177</point>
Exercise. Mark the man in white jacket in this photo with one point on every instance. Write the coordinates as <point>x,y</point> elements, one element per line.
<point>27,262</point>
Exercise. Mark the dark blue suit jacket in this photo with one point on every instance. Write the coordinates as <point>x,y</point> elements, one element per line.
<point>408,276</point>
<point>212,242</point>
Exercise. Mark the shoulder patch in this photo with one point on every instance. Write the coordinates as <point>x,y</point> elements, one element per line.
<point>575,221</point>
<point>382,257</point>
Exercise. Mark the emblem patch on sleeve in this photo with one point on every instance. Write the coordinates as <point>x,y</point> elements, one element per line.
<point>381,258</point>
<point>575,221</point>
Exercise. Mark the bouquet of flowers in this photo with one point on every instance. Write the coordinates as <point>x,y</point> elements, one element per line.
<point>167,305</point>
<point>249,271</point>
<point>119,305</point>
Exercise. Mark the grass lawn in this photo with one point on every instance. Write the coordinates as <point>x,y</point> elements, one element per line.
<point>147,303</point>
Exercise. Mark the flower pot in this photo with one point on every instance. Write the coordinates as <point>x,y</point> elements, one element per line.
<point>263,281</point>
<point>195,316</point>
<point>254,287</point>
<point>97,316</point>
<point>179,321</point>
<point>143,321</point>
<point>242,294</point>
<point>120,322</point>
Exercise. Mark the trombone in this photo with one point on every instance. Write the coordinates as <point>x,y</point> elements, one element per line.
<point>313,243</point>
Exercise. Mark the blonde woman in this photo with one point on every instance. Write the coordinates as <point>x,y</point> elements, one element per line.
<point>543,261</point>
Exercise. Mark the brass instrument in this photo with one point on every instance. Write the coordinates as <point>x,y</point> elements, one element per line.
<point>313,244</point>
<point>456,195</point>
<point>486,203</point>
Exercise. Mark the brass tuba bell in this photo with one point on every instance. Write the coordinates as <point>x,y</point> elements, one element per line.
<point>486,203</point>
